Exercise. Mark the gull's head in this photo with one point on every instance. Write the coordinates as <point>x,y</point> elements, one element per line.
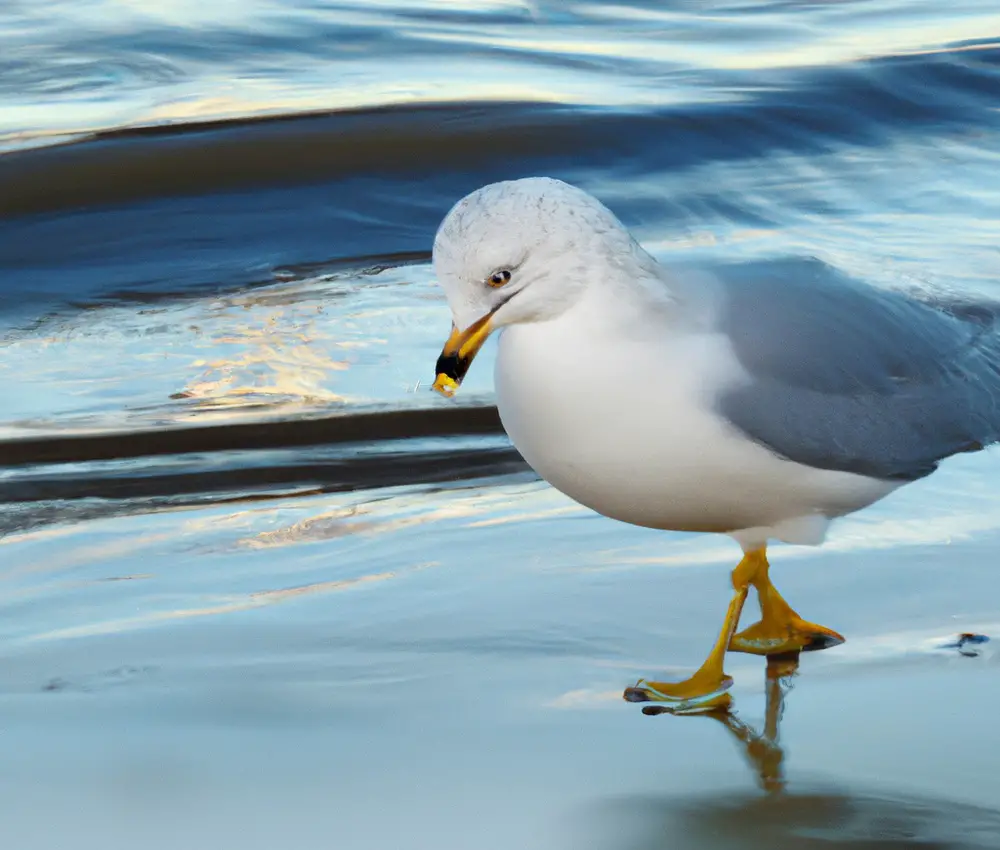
<point>514,252</point>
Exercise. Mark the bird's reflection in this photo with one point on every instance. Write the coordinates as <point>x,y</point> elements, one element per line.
<point>762,748</point>
<point>808,817</point>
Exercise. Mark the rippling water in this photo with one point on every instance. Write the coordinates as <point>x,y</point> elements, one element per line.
<point>262,585</point>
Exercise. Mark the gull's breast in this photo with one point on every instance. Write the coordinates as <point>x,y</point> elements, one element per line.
<point>627,427</point>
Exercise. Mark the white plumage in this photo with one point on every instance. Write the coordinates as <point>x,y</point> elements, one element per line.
<point>608,372</point>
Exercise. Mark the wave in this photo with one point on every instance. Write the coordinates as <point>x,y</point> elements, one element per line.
<point>87,476</point>
<point>858,103</point>
<point>368,427</point>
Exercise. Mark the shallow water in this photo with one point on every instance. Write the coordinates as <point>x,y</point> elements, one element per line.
<point>261,585</point>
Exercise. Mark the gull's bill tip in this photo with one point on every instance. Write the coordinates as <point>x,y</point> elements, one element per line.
<point>458,353</point>
<point>445,385</point>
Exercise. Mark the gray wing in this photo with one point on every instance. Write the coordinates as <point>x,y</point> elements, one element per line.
<point>847,377</point>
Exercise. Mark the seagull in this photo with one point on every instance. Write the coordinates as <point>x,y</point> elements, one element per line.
<point>761,401</point>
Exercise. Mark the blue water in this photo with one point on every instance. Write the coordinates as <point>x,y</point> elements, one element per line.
<point>262,587</point>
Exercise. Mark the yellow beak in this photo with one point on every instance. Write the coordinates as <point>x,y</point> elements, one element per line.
<point>458,354</point>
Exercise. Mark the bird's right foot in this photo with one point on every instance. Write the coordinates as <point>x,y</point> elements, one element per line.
<point>698,694</point>
<point>706,689</point>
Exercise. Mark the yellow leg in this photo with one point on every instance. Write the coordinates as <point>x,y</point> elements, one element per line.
<point>780,628</point>
<point>706,689</point>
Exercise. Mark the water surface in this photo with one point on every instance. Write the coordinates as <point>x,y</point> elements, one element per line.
<point>261,585</point>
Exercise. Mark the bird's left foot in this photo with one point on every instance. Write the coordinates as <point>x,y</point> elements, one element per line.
<point>775,636</point>
<point>780,629</point>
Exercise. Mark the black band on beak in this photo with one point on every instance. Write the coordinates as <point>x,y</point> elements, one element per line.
<point>452,365</point>
<point>458,353</point>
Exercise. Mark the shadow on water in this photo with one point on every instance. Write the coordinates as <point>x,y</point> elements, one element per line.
<point>818,820</point>
<point>80,477</point>
<point>798,818</point>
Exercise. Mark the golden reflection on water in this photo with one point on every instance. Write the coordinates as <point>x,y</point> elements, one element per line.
<point>255,599</point>
<point>273,357</point>
<point>317,520</point>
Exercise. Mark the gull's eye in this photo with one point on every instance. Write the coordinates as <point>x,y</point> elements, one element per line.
<point>499,277</point>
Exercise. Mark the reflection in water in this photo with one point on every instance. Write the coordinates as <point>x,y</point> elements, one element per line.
<point>274,355</point>
<point>762,749</point>
<point>803,819</point>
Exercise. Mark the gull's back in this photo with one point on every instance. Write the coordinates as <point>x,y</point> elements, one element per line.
<point>847,377</point>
